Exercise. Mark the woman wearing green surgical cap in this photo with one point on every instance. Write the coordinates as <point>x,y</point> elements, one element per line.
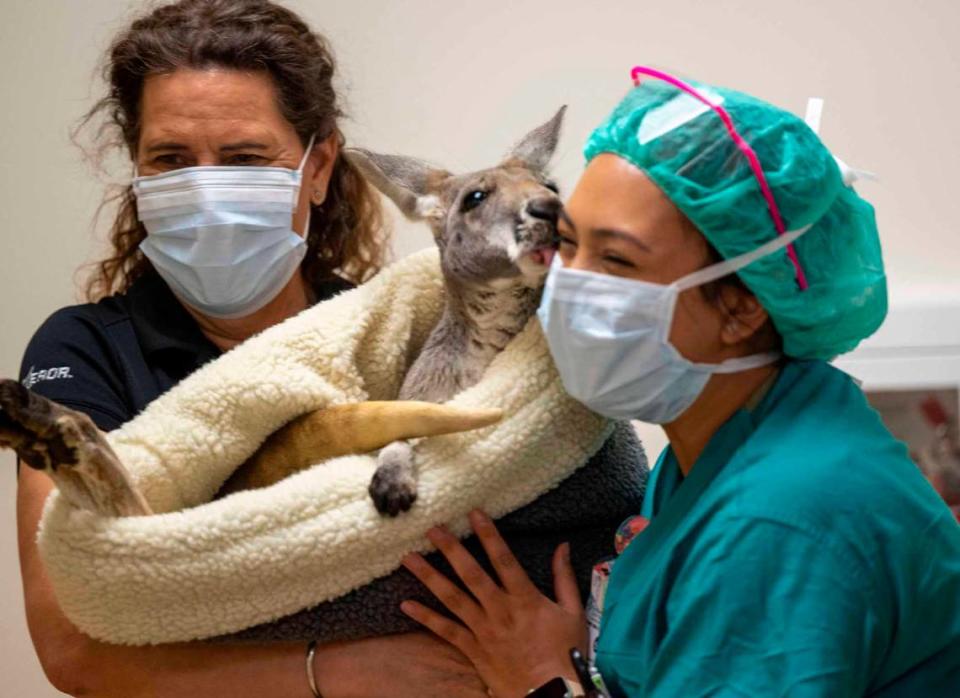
<point>714,257</point>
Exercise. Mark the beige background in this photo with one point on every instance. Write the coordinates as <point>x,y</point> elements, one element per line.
<point>457,82</point>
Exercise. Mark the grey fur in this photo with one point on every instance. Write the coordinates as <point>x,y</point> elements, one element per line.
<point>402,179</point>
<point>492,256</point>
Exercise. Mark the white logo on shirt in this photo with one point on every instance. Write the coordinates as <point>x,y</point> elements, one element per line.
<point>46,374</point>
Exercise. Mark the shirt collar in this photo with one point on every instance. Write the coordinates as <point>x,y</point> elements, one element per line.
<point>161,322</point>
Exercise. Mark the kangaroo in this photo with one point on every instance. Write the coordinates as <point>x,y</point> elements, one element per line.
<point>496,230</point>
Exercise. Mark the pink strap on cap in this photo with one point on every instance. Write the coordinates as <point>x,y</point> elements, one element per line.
<point>744,148</point>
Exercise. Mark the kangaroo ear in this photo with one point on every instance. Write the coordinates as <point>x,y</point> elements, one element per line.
<point>410,183</point>
<point>537,147</point>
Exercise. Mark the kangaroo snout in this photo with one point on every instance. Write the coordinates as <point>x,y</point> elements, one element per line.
<point>544,208</point>
<point>536,230</point>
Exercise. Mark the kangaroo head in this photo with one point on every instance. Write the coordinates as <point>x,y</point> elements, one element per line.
<point>492,226</point>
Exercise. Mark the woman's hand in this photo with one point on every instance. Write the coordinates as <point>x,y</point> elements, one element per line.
<point>516,637</point>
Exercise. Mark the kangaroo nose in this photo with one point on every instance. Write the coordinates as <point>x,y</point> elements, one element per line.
<point>546,209</point>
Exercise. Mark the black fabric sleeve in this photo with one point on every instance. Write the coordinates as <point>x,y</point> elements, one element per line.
<point>69,360</point>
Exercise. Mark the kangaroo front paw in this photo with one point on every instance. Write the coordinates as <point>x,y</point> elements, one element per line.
<point>394,485</point>
<point>392,492</point>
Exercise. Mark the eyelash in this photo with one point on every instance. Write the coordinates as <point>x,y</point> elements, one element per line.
<point>610,259</point>
<point>169,159</point>
<point>619,261</point>
<point>245,158</point>
<point>177,160</point>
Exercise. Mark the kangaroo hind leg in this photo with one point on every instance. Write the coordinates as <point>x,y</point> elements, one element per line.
<point>67,446</point>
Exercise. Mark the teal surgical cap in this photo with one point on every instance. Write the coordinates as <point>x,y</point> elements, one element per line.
<point>687,151</point>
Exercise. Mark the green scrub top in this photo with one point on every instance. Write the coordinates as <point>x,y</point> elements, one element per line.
<point>804,555</point>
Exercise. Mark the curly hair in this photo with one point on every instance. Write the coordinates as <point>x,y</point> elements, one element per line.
<point>347,235</point>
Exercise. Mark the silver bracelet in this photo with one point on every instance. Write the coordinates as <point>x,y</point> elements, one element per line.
<point>311,679</point>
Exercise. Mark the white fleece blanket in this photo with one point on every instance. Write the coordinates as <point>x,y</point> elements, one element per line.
<point>201,568</point>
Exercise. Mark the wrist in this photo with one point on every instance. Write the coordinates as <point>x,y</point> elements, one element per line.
<point>558,687</point>
<point>555,680</point>
<point>331,670</point>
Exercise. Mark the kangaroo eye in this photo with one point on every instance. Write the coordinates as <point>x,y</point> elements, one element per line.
<point>552,186</point>
<point>473,199</point>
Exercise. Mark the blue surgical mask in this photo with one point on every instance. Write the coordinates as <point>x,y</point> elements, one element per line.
<point>221,236</point>
<point>610,339</point>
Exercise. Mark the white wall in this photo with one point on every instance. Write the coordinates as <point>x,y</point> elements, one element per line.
<point>457,82</point>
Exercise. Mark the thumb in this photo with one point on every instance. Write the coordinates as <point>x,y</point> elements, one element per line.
<point>565,581</point>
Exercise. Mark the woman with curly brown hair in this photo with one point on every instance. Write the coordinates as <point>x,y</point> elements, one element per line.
<point>241,214</point>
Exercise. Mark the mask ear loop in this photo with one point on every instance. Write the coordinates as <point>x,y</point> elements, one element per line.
<point>306,154</point>
<point>745,148</point>
<point>303,163</point>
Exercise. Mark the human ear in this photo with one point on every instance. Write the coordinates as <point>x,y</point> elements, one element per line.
<point>322,159</point>
<point>743,316</point>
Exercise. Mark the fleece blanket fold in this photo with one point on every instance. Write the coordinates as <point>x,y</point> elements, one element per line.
<point>199,568</point>
<point>584,510</point>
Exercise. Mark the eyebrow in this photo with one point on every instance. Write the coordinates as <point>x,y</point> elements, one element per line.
<point>166,145</point>
<point>620,235</point>
<point>607,233</point>
<point>242,145</point>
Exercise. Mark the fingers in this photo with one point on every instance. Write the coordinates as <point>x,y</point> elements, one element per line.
<point>446,629</point>
<point>468,569</point>
<point>449,594</point>
<point>511,574</point>
<point>565,580</point>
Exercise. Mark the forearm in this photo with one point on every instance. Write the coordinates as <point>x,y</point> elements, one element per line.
<point>78,665</point>
<point>211,671</point>
<point>235,671</point>
<point>410,665</point>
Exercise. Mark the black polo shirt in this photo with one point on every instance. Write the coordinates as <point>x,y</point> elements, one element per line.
<point>112,358</point>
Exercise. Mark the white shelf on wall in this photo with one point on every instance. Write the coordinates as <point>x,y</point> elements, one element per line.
<point>912,361</point>
<point>918,346</point>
